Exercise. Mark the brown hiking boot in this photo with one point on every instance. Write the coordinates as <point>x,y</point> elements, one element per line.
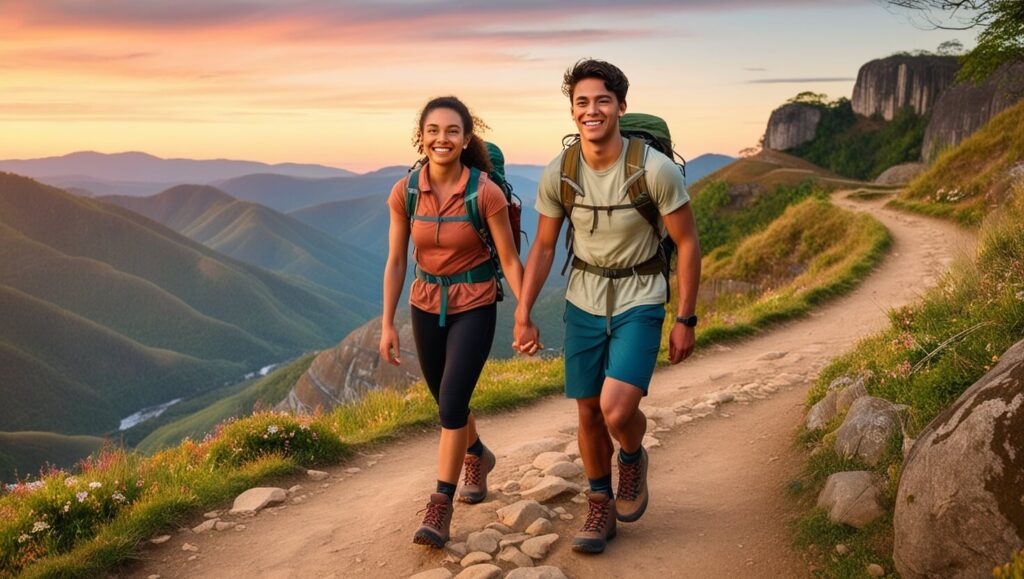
<point>599,528</point>
<point>434,530</point>
<point>631,499</point>
<point>474,481</point>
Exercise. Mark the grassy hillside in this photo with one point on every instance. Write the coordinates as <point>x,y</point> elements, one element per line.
<point>362,222</point>
<point>968,181</point>
<point>261,236</point>
<point>19,451</point>
<point>286,194</point>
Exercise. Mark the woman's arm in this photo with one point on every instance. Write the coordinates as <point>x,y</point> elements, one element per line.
<point>501,232</point>
<point>394,280</point>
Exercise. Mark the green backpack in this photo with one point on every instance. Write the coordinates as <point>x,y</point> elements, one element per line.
<point>487,269</point>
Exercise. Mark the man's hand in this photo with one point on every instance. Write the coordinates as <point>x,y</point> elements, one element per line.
<point>389,345</point>
<point>680,343</point>
<point>526,337</point>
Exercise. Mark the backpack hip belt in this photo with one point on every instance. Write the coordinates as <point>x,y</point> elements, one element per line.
<point>483,272</point>
<point>653,266</point>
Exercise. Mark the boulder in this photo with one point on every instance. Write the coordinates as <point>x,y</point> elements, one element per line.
<point>867,429</point>
<point>538,547</point>
<point>563,470</point>
<point>482,571</point>
<point>549,488</point>
<point>544,572</point>
<point>485,541</point>
<point>886,85</point>
<point>791,125</point>
<point>521,514</point>
<point>541,526</point>
<point>317,474</point>
<point>960,506</point>
<point>822,412</point>
<point>850,394</point>
<point>515,557</point>
<point>257,498</point>
<point>851,498</point>
<point>474,558</point>
<point>900,174</point>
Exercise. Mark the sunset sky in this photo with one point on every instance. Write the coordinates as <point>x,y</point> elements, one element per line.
<point>340,82</point>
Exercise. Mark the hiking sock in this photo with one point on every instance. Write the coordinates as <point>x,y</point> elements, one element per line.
<point>447,488</point>
<point>476,449</point>
<point>602,485</point>
<point>630,457</point>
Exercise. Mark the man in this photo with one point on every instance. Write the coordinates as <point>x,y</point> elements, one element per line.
<point>616,291</point>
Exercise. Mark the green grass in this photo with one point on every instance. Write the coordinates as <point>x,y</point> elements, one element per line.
<point>932,351</point>
<point>870,194</point>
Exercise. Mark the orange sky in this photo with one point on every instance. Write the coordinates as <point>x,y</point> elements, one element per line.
<point>339,82</point>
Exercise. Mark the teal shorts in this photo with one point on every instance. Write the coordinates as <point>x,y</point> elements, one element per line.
<point>628,354</point>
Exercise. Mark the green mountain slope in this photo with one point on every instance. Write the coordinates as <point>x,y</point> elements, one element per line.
<point>18,451</point>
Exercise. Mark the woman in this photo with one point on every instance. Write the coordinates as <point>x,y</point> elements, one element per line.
<point>453,316</point>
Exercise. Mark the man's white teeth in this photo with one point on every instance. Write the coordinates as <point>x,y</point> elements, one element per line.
<point>591,123</point>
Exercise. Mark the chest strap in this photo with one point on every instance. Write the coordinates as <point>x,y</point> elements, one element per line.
<point>653,266</point>
<point>477,274</point>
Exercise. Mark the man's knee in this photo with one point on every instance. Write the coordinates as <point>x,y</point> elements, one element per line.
<point>590,414</point>
<point>618,416</point>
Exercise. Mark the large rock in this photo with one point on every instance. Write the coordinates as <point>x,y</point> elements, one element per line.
<point>886,85</point>
<point>867,429</point>
<point>966,107</point>
<point>521,514</point>
<point>827,408</point>
<point>544,572</point>
<point>791,125</point>
<point>852,498</point>
<point>257,498</point>
<point>538,547</point>
<point>960,506</point>
<point>549,488</point>
<point>346,372</point>
<point>900,174</point>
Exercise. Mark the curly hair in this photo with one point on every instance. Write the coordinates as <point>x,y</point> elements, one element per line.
<point>614,79</point>
<point>475,154</point>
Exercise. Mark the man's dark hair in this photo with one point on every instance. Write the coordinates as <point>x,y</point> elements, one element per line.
<point>614,79</point>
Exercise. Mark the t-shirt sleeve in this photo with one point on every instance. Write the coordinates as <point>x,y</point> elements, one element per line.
<point>665,182</point>
<point>492,199</point>
<point>549,196</point>
<point>396,200</point>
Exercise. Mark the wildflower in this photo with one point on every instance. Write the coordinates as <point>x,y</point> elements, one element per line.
<point>23,537</point>
<point>40,526</point>
<point>67,506</point>
<point>70,481</point>
<point>139,483</point>
<point>118,498</point>
<point>95,485</point>
<point>272,429</point>
<point>81,496</point>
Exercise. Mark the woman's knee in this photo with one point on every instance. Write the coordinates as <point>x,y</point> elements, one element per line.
<point>454,417</point>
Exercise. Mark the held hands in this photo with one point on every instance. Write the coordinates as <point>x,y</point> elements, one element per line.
<point>389,348</point>
<point>526,337</point>
<point>680,343</point>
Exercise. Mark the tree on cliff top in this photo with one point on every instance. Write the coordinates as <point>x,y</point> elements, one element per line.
<point>1001,40</point>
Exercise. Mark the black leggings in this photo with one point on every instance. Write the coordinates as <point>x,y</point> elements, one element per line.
<point>453,356</point>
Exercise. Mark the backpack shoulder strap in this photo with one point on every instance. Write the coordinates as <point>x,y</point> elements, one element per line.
<point>569,178</point>
<point>472,201</point>
<point>636,180</point>
<point>412,192</point>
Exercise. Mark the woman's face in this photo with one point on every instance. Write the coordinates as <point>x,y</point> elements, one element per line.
<point>444,137</point>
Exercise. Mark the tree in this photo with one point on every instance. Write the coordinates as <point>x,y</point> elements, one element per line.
<point>950,48</point>
<point>809,98</point>
<point>1000,41</point>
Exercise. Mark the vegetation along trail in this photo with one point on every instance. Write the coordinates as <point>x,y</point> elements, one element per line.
<point>719,506</point>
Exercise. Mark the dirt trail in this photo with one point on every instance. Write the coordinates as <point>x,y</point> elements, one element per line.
<point>718,506</point>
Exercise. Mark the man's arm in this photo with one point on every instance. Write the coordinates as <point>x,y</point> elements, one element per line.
<point>683,230</point>
<point>538,266</point>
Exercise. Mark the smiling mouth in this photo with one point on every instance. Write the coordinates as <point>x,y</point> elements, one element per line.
<point>441,149</point>
<point>592,123</point>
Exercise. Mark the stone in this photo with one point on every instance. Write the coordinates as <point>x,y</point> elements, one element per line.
<point>515,557</point>
<point>850,394</point>
<point>153,576</point>
<point>205,526</point>
<point>160,540</point>
<point>563,470</point>
<point>790,125</point>
<point>572,449</point>
<point>224,525</point>
<point>256,499</point>
<point>842,549</point>
<point>503,529</point>
<point>521,514</point>
<point>211,515</point>
<point>650,442</point>
<point>876,570</point>
<point>457,549</point>
<point>566,517</point>
<point>546,459</point>
<point>482,542</point>
<point>822,412</point>
<point>483,571</point>
<point>541,526</point>
<point>510,487</point>
<point>543,572</point>
<point>239,527</point>
<point>537,547</point>
<point>945,525</point>
<point>193,557</point>
<point>535,447</point>
<point>867,429</point>
<point>529,481</point>
<point>189,547</point>
<point>439,573</point>
<point>513,539</point>
<point>317,475</point>
<point>770,356</point>
<point>852,498</point>
<point>724,397</point>
<point>475,558</point>
<point>353,470</point>
<point>549,488</point>
<point>294,489</point>
<point>900,174</point>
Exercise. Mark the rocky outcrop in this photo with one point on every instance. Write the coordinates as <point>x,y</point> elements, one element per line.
<point>791,125</point>
<point>886,85</point>
<point>900,174</point>
<point>346,372</point>
<point>966,107</point>
<point>964,525</point>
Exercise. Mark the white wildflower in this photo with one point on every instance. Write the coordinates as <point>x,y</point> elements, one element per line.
<point>70,481</point>
<point>118,497</point>
<point>95,485</point>
<point>23,537</point>
<point>272,429</point>
<point>81,496</point>
<point>67,506</point>
<point>40,526</point>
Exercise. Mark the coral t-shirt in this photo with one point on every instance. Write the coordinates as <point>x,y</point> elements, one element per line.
<point>450,247</point>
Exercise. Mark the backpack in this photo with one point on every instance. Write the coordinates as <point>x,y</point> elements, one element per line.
<point>643,132</point>
<point>492,267</point>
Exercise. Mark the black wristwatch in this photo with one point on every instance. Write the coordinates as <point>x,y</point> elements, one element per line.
<point>690,322</point>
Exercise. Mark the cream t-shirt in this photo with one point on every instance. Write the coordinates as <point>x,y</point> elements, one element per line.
<point>622,238</point>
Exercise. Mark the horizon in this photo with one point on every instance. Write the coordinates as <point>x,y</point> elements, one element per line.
<point>713,70</point>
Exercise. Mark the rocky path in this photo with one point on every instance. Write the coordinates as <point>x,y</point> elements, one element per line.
<point>721,437</point>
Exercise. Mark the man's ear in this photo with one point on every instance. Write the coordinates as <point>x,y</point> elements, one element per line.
<point>622,108</point>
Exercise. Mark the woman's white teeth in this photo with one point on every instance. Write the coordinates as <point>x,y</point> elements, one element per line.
<point>442,149</point>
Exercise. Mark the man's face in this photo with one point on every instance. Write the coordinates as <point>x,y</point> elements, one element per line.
<point>596,111</point>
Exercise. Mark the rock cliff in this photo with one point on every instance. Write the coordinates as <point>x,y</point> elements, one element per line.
<point>886,85</point>
<point>791,125</point>
<point>966,107</point>
<point>346,372</point>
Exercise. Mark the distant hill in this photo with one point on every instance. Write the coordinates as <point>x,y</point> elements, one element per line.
<point>107,312</point>
<point>19,451</point>
<point>285,193</point>
<point>261,236</point>
<point>144,167</point>
<point>93,187</point>
<point>767,170</point>
<point>699,167</point>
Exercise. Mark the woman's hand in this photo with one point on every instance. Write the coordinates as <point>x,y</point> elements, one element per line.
<point>389,347</point>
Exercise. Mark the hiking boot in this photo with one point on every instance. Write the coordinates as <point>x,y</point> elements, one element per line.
<point>631,498</point>
<point>436,522</point>
<point>474,480</point>
<point>599,528</point>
